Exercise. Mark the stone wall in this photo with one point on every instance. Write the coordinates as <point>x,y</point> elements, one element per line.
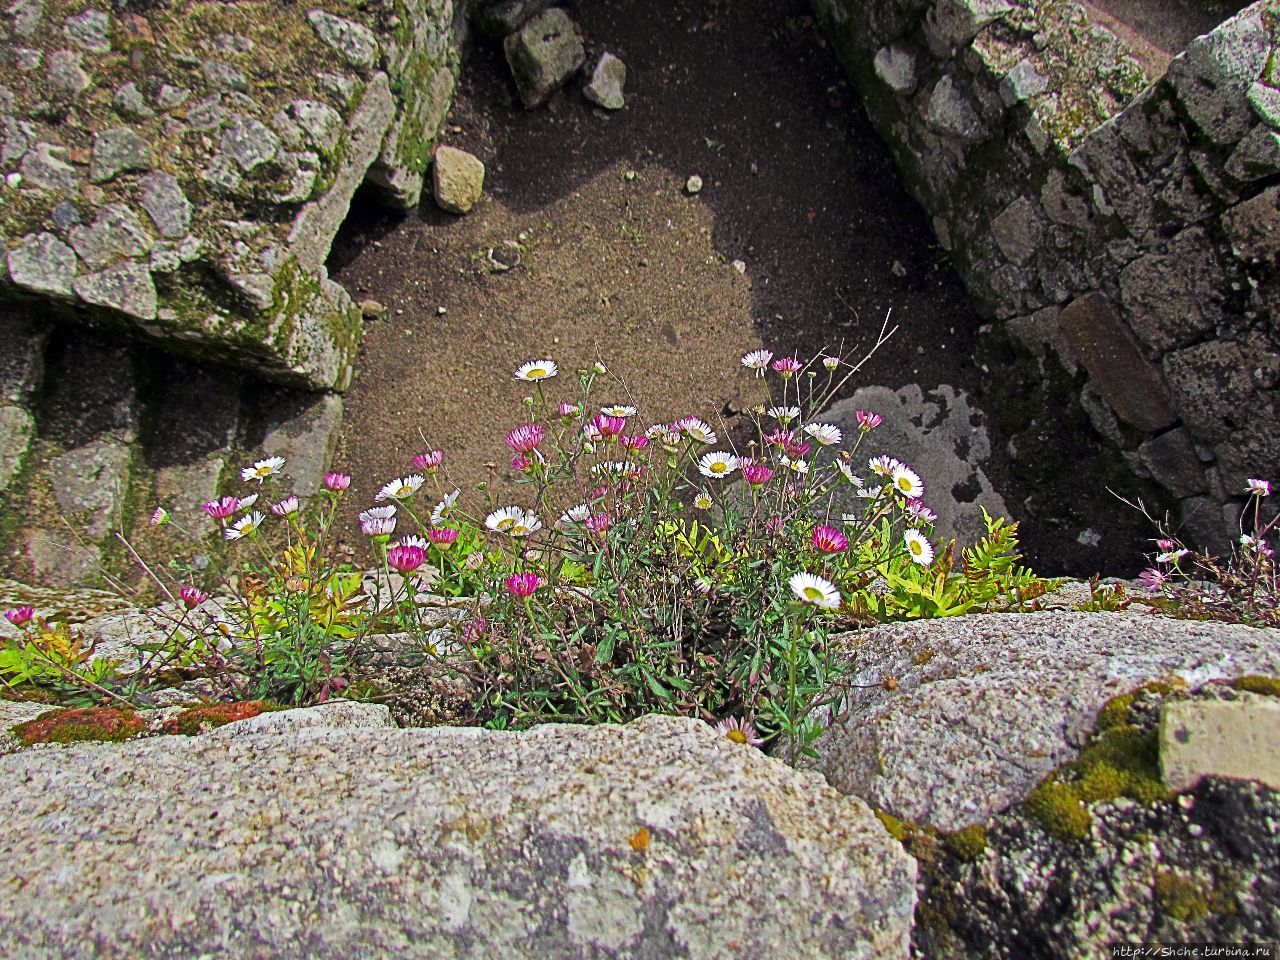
<point>1120,221</point>
<point>176,173</point>
<point>180,172</point>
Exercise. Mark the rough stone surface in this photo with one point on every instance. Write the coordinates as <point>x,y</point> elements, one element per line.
<point>458,179</point>
<point>498,18</point>
<point>952,114</point>
<point>983,707</point>
<point>542,55</point>
<point>304,430</point>
<point>116,151</point>
<point>127,287</point>
<point>1171,457</point>
<point>17,430</point>
<point>943,436</point>
<point>1130,383</point>
<point>90,484</point>
<point>335,715</point>
<point>1017,231</point>
<point>607,80</point>
<point>1239,739</point>
<point>42,263</point>
<point>658,839</point>
<point>895,65</point>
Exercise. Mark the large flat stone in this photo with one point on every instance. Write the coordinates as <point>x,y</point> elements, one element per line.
<point>1239,739</point>
<point>658,839</point>
<point>984,707</point>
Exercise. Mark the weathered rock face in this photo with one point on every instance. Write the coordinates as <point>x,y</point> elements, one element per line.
<point>657,839</point>
<point>1069,178</point>
<point>984,707</point>
<point>181,172</point>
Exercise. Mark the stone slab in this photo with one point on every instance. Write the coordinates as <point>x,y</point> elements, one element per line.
<point>1239,739</point>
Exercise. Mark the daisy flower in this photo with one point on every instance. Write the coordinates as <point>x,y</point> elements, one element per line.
<point>757,360</point>
<point>739,731</point>
<point>826,434</point>
<point>246,526</point>
<point>917,509</point>
<point>523,584</point>
<point>1153,579</point>
<point>262,469</point>
<point>286,507</point>
<point>609,466</point>
<point>527,523</point>
<point>786,366</point>
<point>846,470</point>
<point>813,589</point>
<point>576,514</point>
<point>525,438</point>
<point>618,410</point>
<point>1261,488</point>
<point>828,539</point>
<point>920,549</point>
<point>536,370</point>
<point>656,431</point>
<point>606,426</point>
<point>906,481</point>
<point>429,461</point>
<point>697,430</point>
<point>402,488</point>
<point>784,415</point>
<point>406,559</point>
<point>568,410</point>
<point>501,521</point>
<point>867,420</point>
<point>413,541</point>
<point>1172,556</point>
<point>247,502</point>
<point>337,482</point>
<point>221,509</point>
<point>756,472</point>
<point>703,501</point>
<point>717,464</point>
<point>192,596</point>
<point>160,517</point>
<point>884,466</point>
<point>637,442</point>
<point>379,513</point>
<point>798,466</point>
<point>20,615</point>
<point>831,363</point>
<point>378,521</point>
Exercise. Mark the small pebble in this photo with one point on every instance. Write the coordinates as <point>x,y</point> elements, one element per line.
<point>740,266</point>
<point>693,184</point>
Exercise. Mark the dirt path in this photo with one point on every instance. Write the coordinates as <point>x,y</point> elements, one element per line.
<point>618,261</point>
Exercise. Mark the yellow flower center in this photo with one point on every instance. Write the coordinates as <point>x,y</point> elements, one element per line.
<point>916,547</point>
<point>718,467</point>
<point>537,373</point>
<point>737,736</point>
<point>813,593</point>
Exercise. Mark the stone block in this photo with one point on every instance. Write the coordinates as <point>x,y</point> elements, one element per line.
<point>304,429</point>
<point>1213,76</point>
<point>17,430</point>
<point>542,55</point>
<point>1173,463</point>
<point>90,485</point>
<point>22,345</point>
<point>1211,387</point>
<point>895,66</point>
<point>457,179</point>
<point>500,18</point>
<point>1173,299</point>
<point>951,24</point>
<point>1239,739</point>
<point>1017,231</point>
<point>1257,156</point>
<point>952,113</point>
<point>332,715</point>
<point>1021,83</point>
<point>607,82</point>
<point>1252,227</point>
<point>1126,379</point>
<point>1253,451</point>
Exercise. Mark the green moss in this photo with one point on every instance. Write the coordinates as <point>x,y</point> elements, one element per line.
<point>91,724</point>
<point>1190,900</point>
<point>1270,686</point>
<point>970,843</point>
<point>1116,711</point>
<point>1059,810</point>
<point>898,829</point>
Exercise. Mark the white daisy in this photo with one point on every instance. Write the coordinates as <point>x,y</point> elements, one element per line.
<point>717,464</point>
<point>757,360</point>
<point>536,370</point>
<point>444,509</point>
<point>799,466</point>
<point>609,466</point>
<point>883,466</point>
<point>846,471</point>
<point>826,434</point>
<point>697,430</point>
<point>245,527</point>
<point>503,520</point>
<point>618,410</point>
<point>656,430</point>
<point>525,525</point>
<point>262,469</point>
<point>420,542</point>
<point>784,414</point>
<point>920,549</point>
<point>815,590</point>
<point>907,482</point>
<point>247,502</point>
<point>402,488</point>
<point>703,501</point>
<point>576,514</point>
<point>378,513</point>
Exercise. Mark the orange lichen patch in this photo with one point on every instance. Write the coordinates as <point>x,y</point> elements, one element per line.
<point>640,839</point>
<point>197,720</point>
<point>79,726</point>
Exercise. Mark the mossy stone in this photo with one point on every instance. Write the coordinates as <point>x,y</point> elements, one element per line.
<point>86,725</point>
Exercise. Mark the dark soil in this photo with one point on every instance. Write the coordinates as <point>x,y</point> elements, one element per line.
<point>618,262</point>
